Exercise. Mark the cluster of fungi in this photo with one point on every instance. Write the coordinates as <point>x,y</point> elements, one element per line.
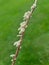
<point>21,30</point>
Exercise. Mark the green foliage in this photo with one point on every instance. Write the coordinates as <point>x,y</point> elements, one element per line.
<point>35,45</point>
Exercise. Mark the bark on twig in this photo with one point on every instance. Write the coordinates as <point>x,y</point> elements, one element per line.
<point>21,29</point>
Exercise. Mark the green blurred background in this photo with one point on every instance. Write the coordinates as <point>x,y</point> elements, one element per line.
<point>35,45</point>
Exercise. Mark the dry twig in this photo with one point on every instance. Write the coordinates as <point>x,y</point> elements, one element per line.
<point>21,30</point>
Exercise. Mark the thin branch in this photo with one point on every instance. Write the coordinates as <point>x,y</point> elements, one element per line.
<point>21,29</point>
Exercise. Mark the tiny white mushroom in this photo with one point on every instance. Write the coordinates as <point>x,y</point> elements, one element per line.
<point>26,15</point>
<point>35,1</point>
<point>23,23</point>
<point>12,55</point>
<point>17,43</point>
<point>33,6</point>
<point>22,30</point>
<point>19,35</point>
<point>12,60</point>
